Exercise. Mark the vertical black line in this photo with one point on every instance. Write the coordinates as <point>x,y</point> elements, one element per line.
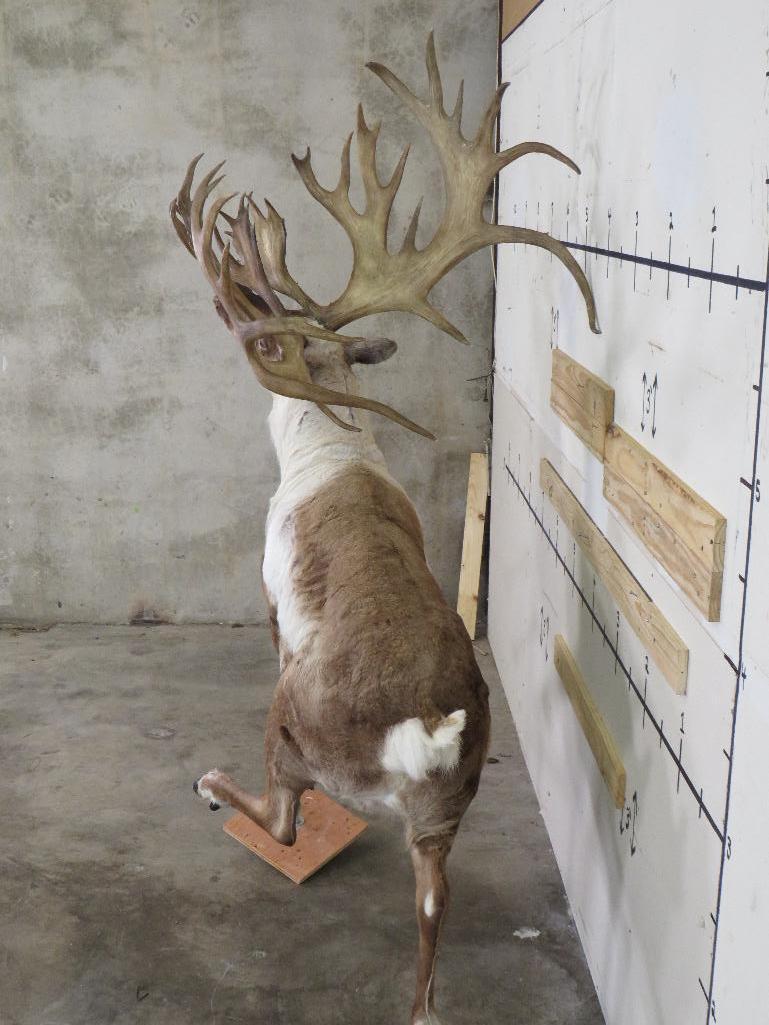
<point>670,251</point>
<point>712,262</point>
<point>735,706</point>
<point>552,223</point>
<point>495,249</point>
<point>585,238</point>
<point>608,245</point>
<point>643,720</point>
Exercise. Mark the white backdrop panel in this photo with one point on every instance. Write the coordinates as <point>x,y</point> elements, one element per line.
<point>664,107</point>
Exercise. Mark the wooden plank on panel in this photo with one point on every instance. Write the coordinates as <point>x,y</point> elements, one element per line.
<point>657,635</point>
<point>681,530</point>
<point>472,545</point>
<point>592,722</point>
<point>514,12</point>
<point>583,401</point>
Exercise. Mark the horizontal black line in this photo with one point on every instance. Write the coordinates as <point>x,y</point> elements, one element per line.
<point>751,284</point>
<point>626,672</point>
<point>747,483</point>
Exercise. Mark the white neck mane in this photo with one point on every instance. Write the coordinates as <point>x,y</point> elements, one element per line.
<point>306,441</point>
<point>311,451</point>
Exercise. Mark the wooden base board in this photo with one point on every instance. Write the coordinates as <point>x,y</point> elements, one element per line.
<point>327,829</point>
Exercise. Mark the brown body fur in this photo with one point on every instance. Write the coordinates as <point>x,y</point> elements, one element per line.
<point>386,648</point>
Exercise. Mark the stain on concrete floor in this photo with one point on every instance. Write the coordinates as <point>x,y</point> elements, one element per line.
<point>122,900</point>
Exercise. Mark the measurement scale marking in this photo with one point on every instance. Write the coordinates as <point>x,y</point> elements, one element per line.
<point>735,280</point>
<point>664,742</point>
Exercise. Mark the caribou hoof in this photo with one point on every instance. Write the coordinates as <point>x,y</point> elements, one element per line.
<point>210,787</point>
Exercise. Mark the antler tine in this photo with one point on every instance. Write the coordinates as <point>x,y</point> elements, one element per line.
<point>366,138</point>
<point>183,199</point>
<point>239,292</point>
<point>337,200</point>
<point>244,236</point>
<point>456,114</point>
<point>507,156</point>
<point>343,185</point>
<point>434,76</point>
<point>203,237</point>
<point>181,207</point>
<point>270,232</point>
<point>205,187</point>
<point>409,240</point>
<point>379,197</point>
<point>180,227</point>
<point>427,312</point>
<point>486,128</point>
<point>528,236</point>
<point>408,99</point>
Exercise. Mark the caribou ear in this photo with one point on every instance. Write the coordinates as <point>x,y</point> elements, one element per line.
<point>370,350</point>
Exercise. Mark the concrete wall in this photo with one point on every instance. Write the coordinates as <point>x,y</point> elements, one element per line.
<point>135,467</point>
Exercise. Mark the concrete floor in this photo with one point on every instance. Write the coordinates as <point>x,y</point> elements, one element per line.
<point>122,900</point>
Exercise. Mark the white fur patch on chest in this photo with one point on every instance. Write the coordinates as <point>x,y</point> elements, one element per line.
<point>295,626</point>
<point>311,451</point>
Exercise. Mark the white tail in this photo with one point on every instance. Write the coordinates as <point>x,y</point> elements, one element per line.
<point>410,749</point>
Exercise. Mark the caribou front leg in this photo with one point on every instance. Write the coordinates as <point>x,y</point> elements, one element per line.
<point>275,812</point>
<point>287,780</point>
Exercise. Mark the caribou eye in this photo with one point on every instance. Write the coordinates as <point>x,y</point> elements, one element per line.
<point>270,348</point>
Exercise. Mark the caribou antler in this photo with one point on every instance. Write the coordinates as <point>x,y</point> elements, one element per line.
<point>246,282</point>
<point>380,280</point>
<point>248,304</point>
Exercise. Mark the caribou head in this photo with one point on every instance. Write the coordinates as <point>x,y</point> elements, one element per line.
<point>243,254</point>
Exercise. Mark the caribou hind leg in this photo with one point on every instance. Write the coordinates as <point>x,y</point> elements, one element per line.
<point>432,897</point>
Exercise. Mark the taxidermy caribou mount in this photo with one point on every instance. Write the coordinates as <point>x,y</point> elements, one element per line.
<point>379,695</point>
